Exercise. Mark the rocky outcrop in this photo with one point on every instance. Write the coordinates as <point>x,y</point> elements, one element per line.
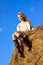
<point>35,55</point>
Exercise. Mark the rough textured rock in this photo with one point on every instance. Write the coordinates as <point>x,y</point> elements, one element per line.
<point>35,56</point>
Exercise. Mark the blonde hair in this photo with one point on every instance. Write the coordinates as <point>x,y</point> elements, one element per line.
<point>24,18</point>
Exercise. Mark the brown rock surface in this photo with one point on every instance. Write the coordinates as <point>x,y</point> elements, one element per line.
<point>35,56</point>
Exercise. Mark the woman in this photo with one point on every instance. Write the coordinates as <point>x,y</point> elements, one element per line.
<point>22,27</point>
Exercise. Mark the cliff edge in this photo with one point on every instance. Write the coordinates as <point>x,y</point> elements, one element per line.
<point>35,56</point>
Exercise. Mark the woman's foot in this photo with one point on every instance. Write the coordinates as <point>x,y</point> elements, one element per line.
<point>21,55</point>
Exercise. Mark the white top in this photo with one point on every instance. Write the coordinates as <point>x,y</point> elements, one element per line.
<point>24,26</point>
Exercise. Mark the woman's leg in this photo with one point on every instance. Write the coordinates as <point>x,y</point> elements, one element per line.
<point>27,42</point>
<point>15,39</point>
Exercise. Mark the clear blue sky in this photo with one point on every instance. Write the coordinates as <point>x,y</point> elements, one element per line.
<point>33,9</point>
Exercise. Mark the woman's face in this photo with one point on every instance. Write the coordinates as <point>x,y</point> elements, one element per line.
<point>20,17</point>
